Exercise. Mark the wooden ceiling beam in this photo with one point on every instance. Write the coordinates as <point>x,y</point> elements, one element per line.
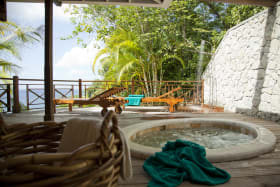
<point>157,1</point>
<point>266,3</point>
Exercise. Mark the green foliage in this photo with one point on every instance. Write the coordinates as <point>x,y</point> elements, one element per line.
<point>153,44</point>
<point>12,39</point>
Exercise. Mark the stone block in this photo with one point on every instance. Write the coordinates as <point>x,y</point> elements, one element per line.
<point>275,46</point>
<point>265,98</point>
<point>272,63</point>
<point>276,31</point>
<point>265,106</point>
<point>252,74</point>
<point>269,82</point>
<point>275,100</point>
<point>274,76</point>
<point>267,90</point>
<point>276,90</point>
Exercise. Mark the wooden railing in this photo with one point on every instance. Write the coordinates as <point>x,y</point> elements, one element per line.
<point>5,97</point>
<point>33,90</point>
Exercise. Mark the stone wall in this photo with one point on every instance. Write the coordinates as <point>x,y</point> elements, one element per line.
<point>244,74</point>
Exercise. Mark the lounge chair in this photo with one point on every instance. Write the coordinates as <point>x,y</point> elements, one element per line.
<point>103,99</point>
<point>165,98</point>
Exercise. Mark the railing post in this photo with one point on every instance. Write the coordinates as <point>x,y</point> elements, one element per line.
<point>8,97</point>
<point>132,86</point>
<point>27,97</point>
<point>85,91</point>
<point>80,90</point>
<point>54,91</point>
<point>54,104</point>
<point>72,92</point>
<point>16,105</point>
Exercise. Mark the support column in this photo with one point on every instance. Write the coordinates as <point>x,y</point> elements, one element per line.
<point>48,71</point>
<point>16,105</point>
<point>3,10</point>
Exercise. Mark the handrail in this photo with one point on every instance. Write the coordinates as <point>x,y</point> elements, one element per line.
<point>29,79</point>
<point>34,88</point>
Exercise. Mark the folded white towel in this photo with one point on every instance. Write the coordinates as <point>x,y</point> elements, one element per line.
<point>79,132</point>
<point>126,170</point>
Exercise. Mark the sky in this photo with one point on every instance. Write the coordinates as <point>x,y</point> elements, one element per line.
<point>70,60</point>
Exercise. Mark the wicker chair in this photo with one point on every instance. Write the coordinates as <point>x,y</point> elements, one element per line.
<point>28,156</point>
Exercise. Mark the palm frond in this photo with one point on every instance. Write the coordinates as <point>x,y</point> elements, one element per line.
<point>125,68</point>
<point>98,55</point>
<point>10,48</point>
<point>8,66</point>
<point>173,57</point>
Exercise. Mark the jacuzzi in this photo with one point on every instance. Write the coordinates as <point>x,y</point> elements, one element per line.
<point>262,141</point>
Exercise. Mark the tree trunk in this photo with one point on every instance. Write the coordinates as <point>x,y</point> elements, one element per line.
<point>154,71</point>
<point>160,79</point>
<point>150,81</point>
<point>145,81</point>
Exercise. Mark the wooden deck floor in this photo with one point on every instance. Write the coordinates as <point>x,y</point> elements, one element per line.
<point>262,171</point>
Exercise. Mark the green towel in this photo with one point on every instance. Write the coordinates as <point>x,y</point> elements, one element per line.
<point>182,160</point>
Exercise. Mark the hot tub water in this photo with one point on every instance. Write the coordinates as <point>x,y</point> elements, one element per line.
<point>209,137</point>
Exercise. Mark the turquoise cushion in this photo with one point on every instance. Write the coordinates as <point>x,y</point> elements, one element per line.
<point>134,100</point>
<point>136,96</point>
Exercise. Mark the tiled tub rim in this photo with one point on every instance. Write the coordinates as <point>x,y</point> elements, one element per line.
<point>263,142</point>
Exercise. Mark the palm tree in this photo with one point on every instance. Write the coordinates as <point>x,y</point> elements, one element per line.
<point>121,58</point>
<point>125,59</point>
<point>12,38</point>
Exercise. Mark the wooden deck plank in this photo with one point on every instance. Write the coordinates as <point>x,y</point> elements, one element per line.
<point>261,171</point>
<point>234,164</point>
<point>249,163</point>
<point>235,172</point>
<point>259,181</point>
